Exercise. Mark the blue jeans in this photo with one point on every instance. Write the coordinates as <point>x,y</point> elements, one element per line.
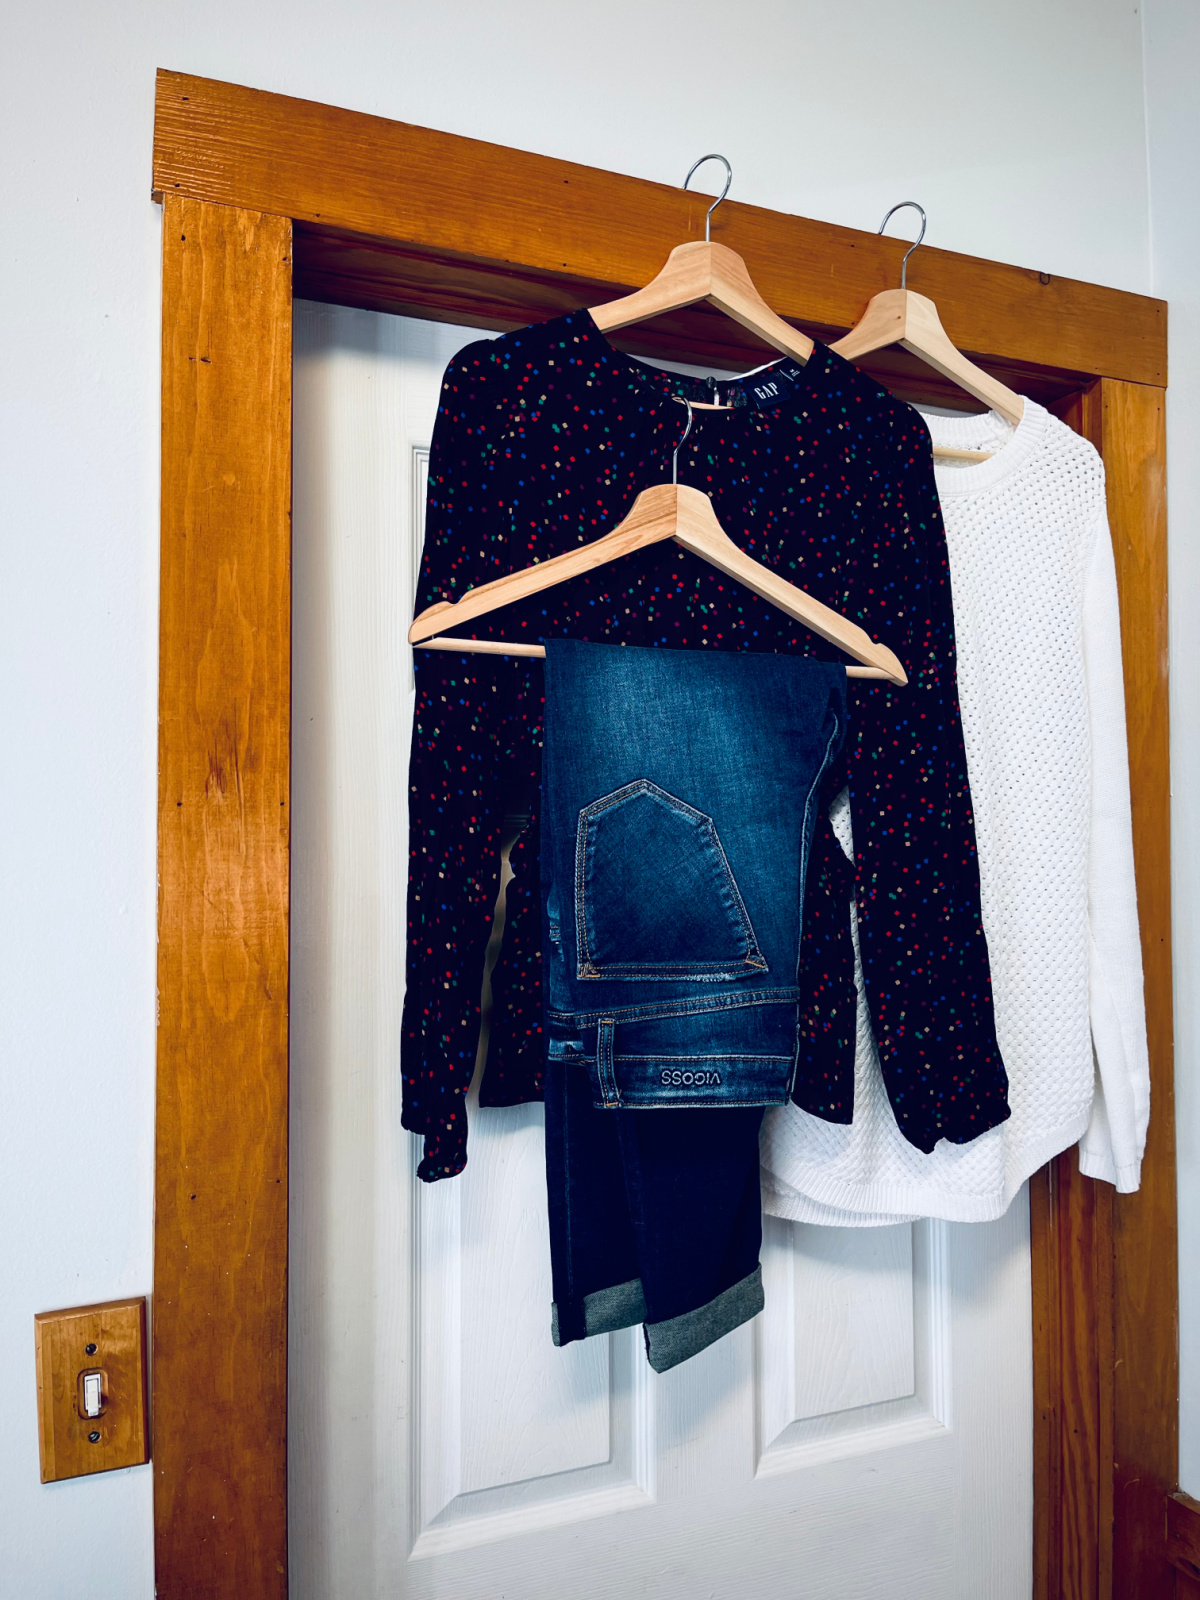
<point>655,1217</point>
<point>679,796</point>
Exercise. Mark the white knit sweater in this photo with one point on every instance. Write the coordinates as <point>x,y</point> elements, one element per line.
<point>1043,710</point>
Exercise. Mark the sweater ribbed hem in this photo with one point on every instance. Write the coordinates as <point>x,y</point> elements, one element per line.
<point>1099,1164</point>
<point>780,1200</point>
<point>801,1196</point>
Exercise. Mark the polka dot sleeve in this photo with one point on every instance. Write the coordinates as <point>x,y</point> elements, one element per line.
<point>916,871</point>
<point>456,789</point>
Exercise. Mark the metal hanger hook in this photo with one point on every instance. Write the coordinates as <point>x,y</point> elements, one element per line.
<point>728,180</point>
<point>683,437</point>
<point>915,243</point>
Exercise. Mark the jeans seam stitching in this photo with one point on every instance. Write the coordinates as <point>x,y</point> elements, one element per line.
<point>605,1053</point>
<point>586,967</point>
<point>666,1010</point>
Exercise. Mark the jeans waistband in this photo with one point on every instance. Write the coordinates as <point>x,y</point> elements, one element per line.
<point>709,1055</point>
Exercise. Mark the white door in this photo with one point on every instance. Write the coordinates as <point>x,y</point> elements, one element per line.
<point>867,1437</point>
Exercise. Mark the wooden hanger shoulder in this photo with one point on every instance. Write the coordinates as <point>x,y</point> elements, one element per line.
<point>651,519</point>
<point>682,281</point>
<point>881,324</point>
<point>903,317</point>
<point>701,270</point>
<point>699,531</point>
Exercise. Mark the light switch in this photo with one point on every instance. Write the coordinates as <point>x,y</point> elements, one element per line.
<point>92,1384</point>
<point>91,1378</point>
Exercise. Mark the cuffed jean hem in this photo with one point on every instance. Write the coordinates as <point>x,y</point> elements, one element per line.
<point>677,1338</point>
<point>622,1306</point>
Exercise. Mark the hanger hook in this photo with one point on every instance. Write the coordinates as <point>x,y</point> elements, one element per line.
<point>683,436</point>
<point>728,180</point>
<point>913,246</point>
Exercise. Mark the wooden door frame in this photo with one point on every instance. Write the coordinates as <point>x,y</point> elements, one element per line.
<point>265,197</point>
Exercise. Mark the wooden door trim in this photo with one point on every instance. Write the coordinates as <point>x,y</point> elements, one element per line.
<point>1105,1274</point>
<point>393,217</point>
<point>1145,1292</point>
<point>1183,1534</point>
<point>219,1368</point>
<point>405,219</point>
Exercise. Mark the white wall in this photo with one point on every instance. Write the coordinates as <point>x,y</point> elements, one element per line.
<point>1172,56</point>
<point>1020,128</point>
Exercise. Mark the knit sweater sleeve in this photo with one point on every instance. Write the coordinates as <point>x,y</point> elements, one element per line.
<point>1116,1135</point>
<point>461,729</point>
<point>924,953</point>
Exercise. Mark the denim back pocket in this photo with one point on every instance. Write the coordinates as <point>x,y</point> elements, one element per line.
<point>654,894</point>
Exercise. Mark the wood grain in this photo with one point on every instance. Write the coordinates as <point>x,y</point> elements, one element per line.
<point>1072,1249</point>
<point>702,271</point>
<point>109,1337</point>
<point>1183,1535</point>
<point>220,1266</point>
<point>1145,1437</point>
<point>1105,1296</point>
<point>372,199</point>
<point>1045,1251</point>
<point>664,511</point>
<point>1071,1242</point>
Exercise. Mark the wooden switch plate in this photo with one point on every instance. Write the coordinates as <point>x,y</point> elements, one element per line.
<point>109,1339</point>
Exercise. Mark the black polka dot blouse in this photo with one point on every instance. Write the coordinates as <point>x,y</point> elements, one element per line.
<point>543,440</point>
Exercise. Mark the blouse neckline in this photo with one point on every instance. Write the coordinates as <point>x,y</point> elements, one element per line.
<point>671,387</point>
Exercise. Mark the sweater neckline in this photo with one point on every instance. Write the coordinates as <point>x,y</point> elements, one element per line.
<point>1012,447</point>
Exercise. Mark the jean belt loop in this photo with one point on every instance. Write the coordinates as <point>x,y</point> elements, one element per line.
<point>606,1032</point>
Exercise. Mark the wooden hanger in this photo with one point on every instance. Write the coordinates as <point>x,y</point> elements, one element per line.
<point>702,270</point>
<point>666,511</point>
<point>900,316</point>
<point>696,271</point>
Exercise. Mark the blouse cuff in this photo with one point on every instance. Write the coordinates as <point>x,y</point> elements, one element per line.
<point>445,1155</point>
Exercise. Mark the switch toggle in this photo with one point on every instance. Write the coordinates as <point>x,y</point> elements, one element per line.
<point>91,1390</point>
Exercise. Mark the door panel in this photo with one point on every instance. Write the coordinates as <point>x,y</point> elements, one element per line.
<point>868,1436</point>
<point>845,1297</point>
<point>511,1431</point>
<point>854,1340</point>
